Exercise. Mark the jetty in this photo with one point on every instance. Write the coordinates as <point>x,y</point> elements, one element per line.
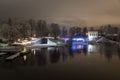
<point>11,49</point>
<point>17,54</point>
<point>13,56</point>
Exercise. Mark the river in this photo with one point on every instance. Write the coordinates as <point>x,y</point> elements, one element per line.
<point>78,62</point>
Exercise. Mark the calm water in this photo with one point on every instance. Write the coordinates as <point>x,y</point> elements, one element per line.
<point>78,62</point>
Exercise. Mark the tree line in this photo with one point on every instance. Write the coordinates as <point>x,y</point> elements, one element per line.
<point>20,29</point>
<point>13,30</point>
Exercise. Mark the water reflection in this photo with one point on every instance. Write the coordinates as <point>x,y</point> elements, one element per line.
<point>50,55</point>
<point>79,49</point>
<point>25,57</point>
<point>110,51</point>
<point>91,48</point>
<point>76,61</point>
<point>41,57</point>
<point>54,55</point>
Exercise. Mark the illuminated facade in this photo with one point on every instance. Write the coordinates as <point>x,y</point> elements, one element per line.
<point>92,35</point>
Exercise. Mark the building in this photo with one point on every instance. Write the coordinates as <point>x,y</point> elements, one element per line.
<point>92,35</point>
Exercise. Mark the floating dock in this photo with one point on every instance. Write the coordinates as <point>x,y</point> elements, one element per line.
<point>11,49</point>
<point>13,56</point>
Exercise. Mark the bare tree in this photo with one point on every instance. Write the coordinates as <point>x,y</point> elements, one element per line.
<point>72,31</point>
<point>41,28</point>
<point>55,30</point>
<point>85,31</point>
<point>64,31</point>
<point>32,25</point>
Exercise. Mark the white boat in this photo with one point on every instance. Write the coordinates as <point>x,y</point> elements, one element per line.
<point>46,42</point>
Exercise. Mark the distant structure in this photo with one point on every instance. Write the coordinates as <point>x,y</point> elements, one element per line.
<point>92,35</point>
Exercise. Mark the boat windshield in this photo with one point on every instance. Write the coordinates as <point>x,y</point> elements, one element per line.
<point>44,41</point>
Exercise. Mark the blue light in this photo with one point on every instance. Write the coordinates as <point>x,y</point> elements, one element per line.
<point>74,47</point>
<point>78,47</point>
<point>79,39</point>
<point>76,39</point>
<point>83,47</point>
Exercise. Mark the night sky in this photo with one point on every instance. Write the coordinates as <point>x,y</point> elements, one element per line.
<point>73,12</point>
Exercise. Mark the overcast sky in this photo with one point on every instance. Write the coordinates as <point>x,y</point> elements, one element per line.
<point>73,12</point>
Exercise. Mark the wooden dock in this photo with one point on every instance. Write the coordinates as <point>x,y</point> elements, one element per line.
<point>11,49</point>
<point>13,56</point>
<point>2,54</point>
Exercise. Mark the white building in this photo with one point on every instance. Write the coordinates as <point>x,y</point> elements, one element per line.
<point>92,35</point>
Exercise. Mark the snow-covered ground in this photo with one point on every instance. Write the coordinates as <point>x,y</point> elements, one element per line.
<point>36,42</point>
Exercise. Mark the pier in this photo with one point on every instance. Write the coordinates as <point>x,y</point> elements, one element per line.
<point>11,49</point>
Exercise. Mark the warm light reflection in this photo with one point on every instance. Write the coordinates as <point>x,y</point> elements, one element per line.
<point>25,57</point>
<point>33,51</point>
<point>91,48</point>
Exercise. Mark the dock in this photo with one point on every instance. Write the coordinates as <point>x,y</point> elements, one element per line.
<point>13,56</point>
<point>2,54</point>
<point>11,49</point>
<point>17,54</point>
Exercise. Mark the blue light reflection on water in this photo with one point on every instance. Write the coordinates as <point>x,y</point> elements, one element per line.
<point>77,47</point>
<point>65,63</point>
